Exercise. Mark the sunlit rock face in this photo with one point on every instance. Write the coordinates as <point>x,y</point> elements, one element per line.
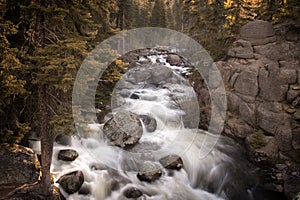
<point>261,75</point>
<point>19,165</point>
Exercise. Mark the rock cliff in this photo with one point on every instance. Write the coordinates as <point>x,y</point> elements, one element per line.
<point>262,79</point>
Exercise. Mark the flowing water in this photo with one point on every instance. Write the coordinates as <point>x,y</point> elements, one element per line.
<point>109,170</point>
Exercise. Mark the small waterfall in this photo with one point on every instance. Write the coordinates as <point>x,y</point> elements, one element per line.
<point>109,170</point>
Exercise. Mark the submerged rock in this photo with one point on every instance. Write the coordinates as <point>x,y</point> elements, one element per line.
<point>63,139</point>
<point>71,182</point>
<point>171,162</point>
<point>132,192</point>
<point>149,172</point>
<point>67,155</point>
<point>149,122</point>
<point>123,129</point>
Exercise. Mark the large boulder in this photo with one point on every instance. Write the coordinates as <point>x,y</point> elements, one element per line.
<point>123,129</point>
<point>246,83</point>
<point>258,32</point>
<point>19,165</point>
<point>271,85</point>
<point>71,182</point>
<point>241,49</point>
<point>67,155</point>
<point>149,172</point>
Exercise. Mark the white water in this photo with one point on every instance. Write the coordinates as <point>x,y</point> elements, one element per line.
<point>190,183</point>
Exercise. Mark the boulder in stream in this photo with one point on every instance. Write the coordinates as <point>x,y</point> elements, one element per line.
<point>171,162</point>
<point>67,155</point>
<point>71,182</point>
<point>123,129</point>
<point>149,122</point>
<point>132,192</point>
<point>174,59</point>
<point>149,172</point>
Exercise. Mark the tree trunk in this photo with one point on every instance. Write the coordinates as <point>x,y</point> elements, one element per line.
<point>47,139</point>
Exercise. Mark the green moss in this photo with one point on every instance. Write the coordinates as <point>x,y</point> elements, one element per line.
<point>257,139</point>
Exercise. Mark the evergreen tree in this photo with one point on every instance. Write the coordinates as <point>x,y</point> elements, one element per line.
<point>12,86</point>
<point>158,16</point>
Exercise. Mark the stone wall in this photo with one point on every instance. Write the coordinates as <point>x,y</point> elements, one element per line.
<point>262,78</point>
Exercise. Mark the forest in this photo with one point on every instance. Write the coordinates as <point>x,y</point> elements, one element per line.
<point>44,42</point>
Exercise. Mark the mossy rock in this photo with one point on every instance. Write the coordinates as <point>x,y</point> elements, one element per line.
<point>257,140</point>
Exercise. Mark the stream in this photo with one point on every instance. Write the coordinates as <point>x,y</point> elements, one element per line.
<point>223,173</point>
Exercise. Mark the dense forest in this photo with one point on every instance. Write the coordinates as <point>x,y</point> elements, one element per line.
<point>43,43</point>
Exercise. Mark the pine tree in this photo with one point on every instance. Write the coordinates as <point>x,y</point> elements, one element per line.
<point>158,16</point>
<point>12,85</point>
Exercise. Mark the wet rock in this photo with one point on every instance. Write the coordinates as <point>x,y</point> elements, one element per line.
<point>63,139</point>
<point>149,172</point>
<point>258,32</point>
<point>123,129</point>
<point>67,155</point>
<point>19,165</point>
<point>160,73</point>
<point>85,189</point>
<point>241,49</point>
<point>132,192</point>
<point>134,96</point>
<point>71,182</point>
<point>171,162</point>
<point>174,59</point>
<point>149,122</point>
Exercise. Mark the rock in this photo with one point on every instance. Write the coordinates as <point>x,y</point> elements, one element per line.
<point>19,165</point>
<point>292,186</point>
<point>134,96</point>
<point>30,195</point>
<point>289,64</point>
<point>284,137</point>
<point>275,52</point>
<point>174,59</point>
<point>132,192</point>
<point>85,189</point>
<point>67,155</point>
<point>160,73</point>
<point>288,76</point>
<point>266,154</point>
<point>246,83</point>
<point>238,128</point>
<point>248,112</point>
<point>272,87</point>
<point>123,129</point>
<point>268,120</point>
<point>292,94</point>
<point>149,172</point>
<point>258,32</point>
<point>171,162</point>
<point>149,122</point>
<point>71,182</point>
<point>63,139</point>
<point>241,49</point>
